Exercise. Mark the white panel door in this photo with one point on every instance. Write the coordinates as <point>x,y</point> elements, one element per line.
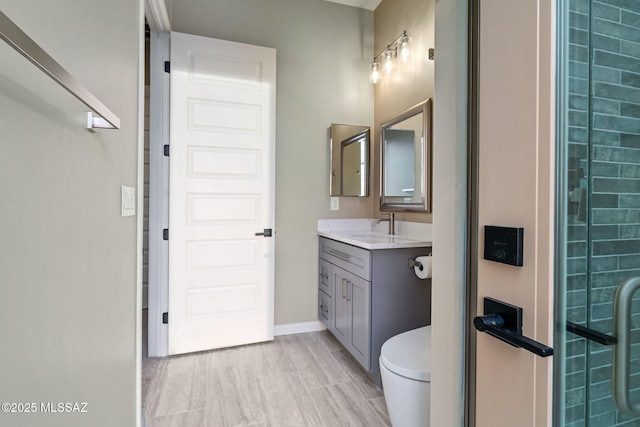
<point>221,192</point>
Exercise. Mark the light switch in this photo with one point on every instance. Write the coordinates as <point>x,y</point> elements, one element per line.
<point>335,204</point>
<point>128,201</point>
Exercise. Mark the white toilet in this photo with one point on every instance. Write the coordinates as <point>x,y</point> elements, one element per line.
<point>405,367</point>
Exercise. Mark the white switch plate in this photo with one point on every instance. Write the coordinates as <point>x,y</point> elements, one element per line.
<point>335,204</point>
<point>128,201</point>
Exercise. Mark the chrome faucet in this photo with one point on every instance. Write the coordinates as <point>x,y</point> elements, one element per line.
<point>392,222</point>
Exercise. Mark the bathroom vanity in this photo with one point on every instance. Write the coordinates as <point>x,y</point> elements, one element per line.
<point>368,293</point>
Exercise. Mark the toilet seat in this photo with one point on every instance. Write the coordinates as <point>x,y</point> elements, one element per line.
<point>408,354</point>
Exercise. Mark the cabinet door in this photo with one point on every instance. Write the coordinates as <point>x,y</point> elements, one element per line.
<point>341,327</point>
<point>324,308</point>
<point>358,297</point>
<point>324,281</point>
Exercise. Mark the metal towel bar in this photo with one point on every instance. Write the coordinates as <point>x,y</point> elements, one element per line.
<point>17,39</point>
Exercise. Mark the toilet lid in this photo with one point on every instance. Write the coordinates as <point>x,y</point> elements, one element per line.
<point>408,354</point>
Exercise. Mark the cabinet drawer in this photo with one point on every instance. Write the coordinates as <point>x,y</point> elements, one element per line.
<point>324,309</point>
<point>351,258</point>
<point>324,281</point>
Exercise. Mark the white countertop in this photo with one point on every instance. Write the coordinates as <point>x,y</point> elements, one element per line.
<point>367,234</point>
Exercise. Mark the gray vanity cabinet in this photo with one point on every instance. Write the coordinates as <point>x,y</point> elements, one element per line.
<point>351,313</point>
<point>367,296</point>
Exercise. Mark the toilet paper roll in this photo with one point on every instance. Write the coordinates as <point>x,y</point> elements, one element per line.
<point>424,271</point>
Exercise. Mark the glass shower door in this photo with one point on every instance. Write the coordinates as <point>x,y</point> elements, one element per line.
<point>597,362</point>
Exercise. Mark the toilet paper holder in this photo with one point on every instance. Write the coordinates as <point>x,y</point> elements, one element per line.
<point>413,262</point>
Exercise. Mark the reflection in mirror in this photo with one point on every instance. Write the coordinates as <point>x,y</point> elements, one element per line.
<point>349,160</point>
<point>406,160</point>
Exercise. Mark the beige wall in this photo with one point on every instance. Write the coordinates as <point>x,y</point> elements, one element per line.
<point>323,52</point>
<point>411,82</point>
<point>68,260</point>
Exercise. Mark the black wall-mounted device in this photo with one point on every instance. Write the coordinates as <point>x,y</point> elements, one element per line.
<point>503,244</point>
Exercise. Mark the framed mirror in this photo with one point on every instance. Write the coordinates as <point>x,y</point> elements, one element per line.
<point>405,160</point>
<point>349,146</point>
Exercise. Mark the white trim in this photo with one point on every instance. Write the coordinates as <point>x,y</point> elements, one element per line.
<point>158,194</point>
<point>157,16</point>
<point>140,213</point>
<point>299,328</point>
<point>364,4</point>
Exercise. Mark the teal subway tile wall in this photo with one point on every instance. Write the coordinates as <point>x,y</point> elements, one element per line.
<point>603,247</point>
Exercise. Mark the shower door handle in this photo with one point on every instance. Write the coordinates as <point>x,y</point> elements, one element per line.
<point>591,334</point>
<point>621,351</point>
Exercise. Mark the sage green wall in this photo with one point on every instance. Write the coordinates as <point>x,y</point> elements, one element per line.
<point>68,274</point>
<point>323,52</point>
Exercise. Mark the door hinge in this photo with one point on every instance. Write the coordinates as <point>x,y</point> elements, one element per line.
<point>165,234</point>
<point>167,66</point>
<point>166,150</point>
<point>165,318</point>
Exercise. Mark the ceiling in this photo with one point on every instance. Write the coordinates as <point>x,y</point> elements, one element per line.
<point>158,18</point>
<point>365,4</point>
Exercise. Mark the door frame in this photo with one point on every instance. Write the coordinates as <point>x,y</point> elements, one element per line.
<point>159,85</point>
<point>471,292</point>
<point>559,314</point>
<point>158,194</point>
<point>544,324</point>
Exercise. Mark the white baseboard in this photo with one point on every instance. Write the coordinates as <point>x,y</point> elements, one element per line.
<point>298,328</point>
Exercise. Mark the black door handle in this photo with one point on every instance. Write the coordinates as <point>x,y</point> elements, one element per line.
<point>488,324</point>
<point>504,322</point>
<point>266,233</point>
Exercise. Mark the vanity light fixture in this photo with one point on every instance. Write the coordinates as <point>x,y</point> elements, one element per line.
<point>399,47</point>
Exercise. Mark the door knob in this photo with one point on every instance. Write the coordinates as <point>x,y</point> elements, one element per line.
<point>266,233</point>
<point>504,321</point>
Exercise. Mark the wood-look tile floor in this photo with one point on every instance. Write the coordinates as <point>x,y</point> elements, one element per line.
<point>294,381</point>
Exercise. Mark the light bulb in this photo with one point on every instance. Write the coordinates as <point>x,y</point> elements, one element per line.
<point>388,60</point>
<point>374,76</point>
<point>404,48</point>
